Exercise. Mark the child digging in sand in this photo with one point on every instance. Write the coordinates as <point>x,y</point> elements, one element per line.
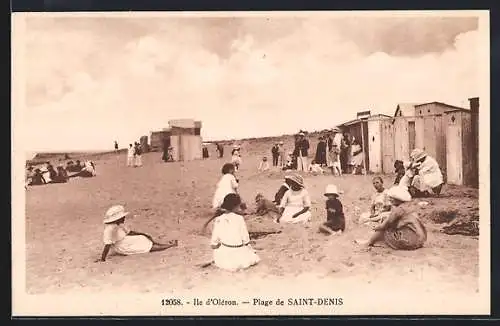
<point>335,219</point>
<point>124,241</point>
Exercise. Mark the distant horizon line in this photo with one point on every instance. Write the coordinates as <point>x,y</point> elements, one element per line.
<point>110,149</point>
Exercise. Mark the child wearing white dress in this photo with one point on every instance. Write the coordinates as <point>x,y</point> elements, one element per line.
<point>230,239</point>
<point>130,155</point>
<point>226,185</point>
<point>315,168</point>
<point>296,203</point>
<point>236,159</point>
<point>119,237</point>
<point>263,165</point>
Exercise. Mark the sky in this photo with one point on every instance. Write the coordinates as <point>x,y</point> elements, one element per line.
<point>93,80</point>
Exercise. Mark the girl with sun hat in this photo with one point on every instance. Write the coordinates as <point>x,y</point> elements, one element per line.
<point>122,240</point>
<point>296,202</point>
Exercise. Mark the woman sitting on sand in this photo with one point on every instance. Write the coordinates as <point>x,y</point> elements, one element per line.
<point>87,171</point>
<point>428,178</point>
<point>402,229</point>
<point>230,239</point>
<point>124,241</point>
<point>296,203</point>
<point>380,204</point>
<point>61,177</point>
<point>226,185</point>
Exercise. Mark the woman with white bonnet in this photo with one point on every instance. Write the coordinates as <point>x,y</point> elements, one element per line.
<point>295,206</point>
<point>122,240</point>
<point>402,229</point>
<point>428,178</point>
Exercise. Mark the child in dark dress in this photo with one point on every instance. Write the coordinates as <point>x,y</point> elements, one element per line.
<point>399,170</point>
<point>281,191</point>
<point>335,220</point>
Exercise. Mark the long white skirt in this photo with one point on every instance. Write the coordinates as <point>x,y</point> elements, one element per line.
<point>290,210</point>
<point>233,259</point>
<point>133,244</point>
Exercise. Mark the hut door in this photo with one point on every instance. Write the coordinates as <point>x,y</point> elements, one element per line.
<point>411,135</point>
<point>454,160</point>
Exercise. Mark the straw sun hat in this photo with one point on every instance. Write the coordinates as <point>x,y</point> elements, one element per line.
<point>331,190</point>
<point>297,179</point>
<point>417,154</point>
<point>114,213</point>
<point>399,193</point>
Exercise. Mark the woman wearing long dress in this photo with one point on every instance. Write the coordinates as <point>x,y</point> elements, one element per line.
<point>320,157</point>
<point>357,156</point>
<point>230,239</point>
<point>296,202</point>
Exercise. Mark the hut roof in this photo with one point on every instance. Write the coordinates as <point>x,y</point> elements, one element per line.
<point>405,109</point>
<point>355,121</point>
<point>185,123</point>
<point>453,107</point>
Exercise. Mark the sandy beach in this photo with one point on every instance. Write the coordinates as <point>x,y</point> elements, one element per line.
<point>172,201</point>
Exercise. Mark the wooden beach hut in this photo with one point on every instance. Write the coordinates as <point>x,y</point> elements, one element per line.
<point>367,129</point>
<point>185,138</point>
<point>380,144</point>
<point>462,144</point>
<point>426,128</point>
<point>158,140</point>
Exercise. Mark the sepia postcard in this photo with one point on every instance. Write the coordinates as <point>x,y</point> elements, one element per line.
<point>250,163</point>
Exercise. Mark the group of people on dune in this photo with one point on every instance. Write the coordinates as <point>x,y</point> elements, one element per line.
<point>392,220</point>
<point>37,176</point>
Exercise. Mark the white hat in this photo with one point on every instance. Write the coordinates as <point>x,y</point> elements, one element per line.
<point>399,193</point>
<point>331,190</point>
<point>417,154</point>
<point>114,213</point>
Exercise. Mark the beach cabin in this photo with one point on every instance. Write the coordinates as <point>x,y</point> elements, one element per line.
<point>143,141</point>
<point>158,138</point>
<point>425,128</point>
<point>368,129</point>
<point>462,144</point>
<point>380,144</point>
<point>185,138</point>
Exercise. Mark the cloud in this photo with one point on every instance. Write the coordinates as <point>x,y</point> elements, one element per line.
<point>264,77</point>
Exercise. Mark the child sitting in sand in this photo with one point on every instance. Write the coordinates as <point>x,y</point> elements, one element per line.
<point>400,170</point>
<point>230,239</point>
<point>335,219</point>
<point>124,241</point>
<point>380,205</point>
<point>289,165</point>
<point>315,168</point>
<point>296,204</point>
<point>226,185</point>
<point>263,165</point>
